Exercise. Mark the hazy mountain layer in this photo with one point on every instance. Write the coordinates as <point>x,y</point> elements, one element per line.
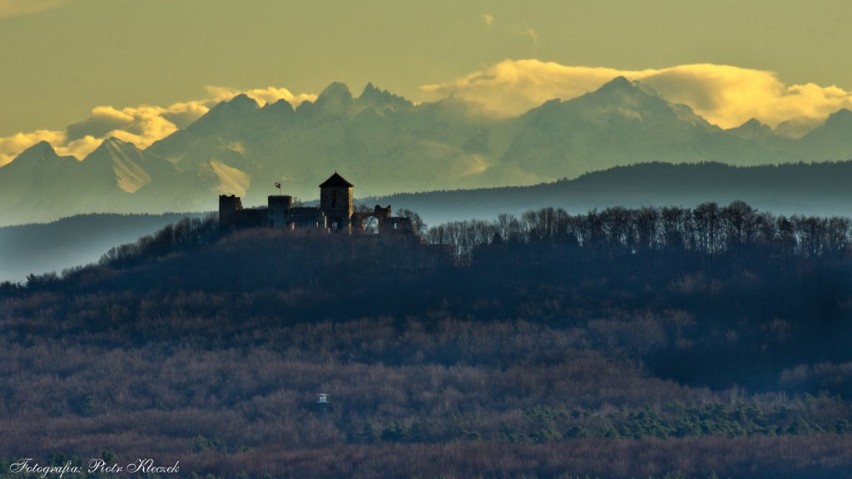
<point>42,248</point>
<point>811,189</point>
<point>385,144</point>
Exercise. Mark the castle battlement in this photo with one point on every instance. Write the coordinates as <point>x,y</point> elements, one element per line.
<point>335,213</point>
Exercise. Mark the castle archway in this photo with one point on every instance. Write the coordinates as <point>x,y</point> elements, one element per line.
<point>370,222</point>
<point>370,225</point>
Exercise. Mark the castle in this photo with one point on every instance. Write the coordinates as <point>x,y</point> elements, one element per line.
<point>334,213</point>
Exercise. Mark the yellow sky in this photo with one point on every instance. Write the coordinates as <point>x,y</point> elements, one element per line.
<point>149,65</point>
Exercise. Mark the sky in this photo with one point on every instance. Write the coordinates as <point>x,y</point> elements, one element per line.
<point>76,71</point>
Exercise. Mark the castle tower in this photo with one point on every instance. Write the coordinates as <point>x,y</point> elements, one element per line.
<point>336,201</point>
<point>279,210</point>
<point>228,207</point>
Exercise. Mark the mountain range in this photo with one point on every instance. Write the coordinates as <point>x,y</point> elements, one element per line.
<point>386,144</point>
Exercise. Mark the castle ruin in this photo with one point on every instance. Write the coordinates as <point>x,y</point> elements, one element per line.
<point>335,213</point>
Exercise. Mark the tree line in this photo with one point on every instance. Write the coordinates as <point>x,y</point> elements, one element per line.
<point>708,229</point>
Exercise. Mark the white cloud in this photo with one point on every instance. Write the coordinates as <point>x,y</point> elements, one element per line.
<point>729,96</point>
<point>514,86</point>
<point>80,147</point>
<point>183,114</point>
<point>725,95</point>
<point>11,146</point>
<point>262,95</point>
<point>141,125</point>
<point>16,8</point>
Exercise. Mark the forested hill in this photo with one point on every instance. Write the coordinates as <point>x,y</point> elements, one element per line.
<point>667,342</point>
<point>802,188</point>
<point>725,267</point>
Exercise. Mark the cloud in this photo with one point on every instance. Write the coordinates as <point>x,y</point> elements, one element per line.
<point>141,125</point>
<point>103,120</point>
<point>262,95</point>
<point>183,114</point>
<point>11,146</point>
<point>514,86</point>
<point>528,32</point>
<point>16,8</point>
<point>725,95</point>
<point>80,147</point>
<point>729,96</point>
<point>487,19</point>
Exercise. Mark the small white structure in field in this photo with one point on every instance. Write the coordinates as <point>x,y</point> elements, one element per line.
<point>322,403</point>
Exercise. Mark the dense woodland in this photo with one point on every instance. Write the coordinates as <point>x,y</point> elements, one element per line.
<point>622,343</point>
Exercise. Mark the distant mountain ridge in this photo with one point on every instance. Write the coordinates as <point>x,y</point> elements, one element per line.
<point>820,189</point>
<point>385,144</point>
<point>75,241</point>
